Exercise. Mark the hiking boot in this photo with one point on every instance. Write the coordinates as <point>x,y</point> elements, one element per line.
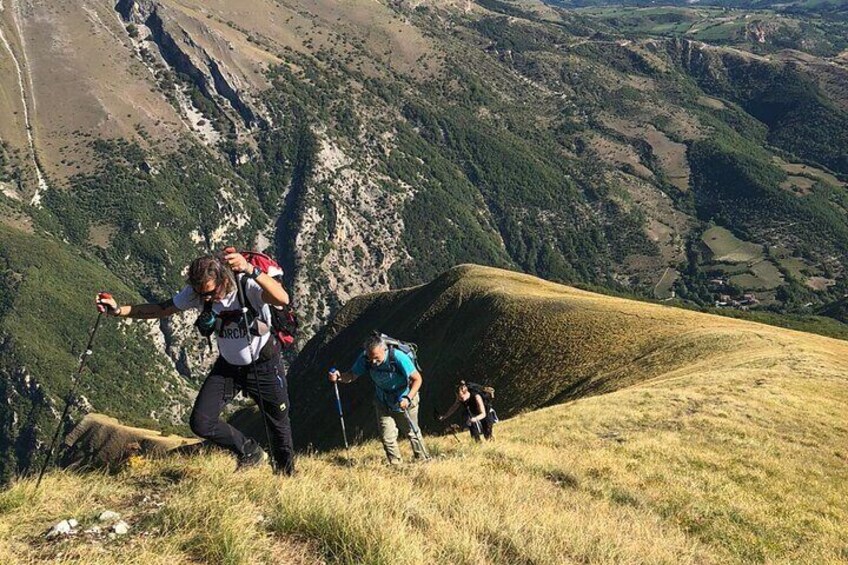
<point>283,466</point>
<point>253,455</point>
<point>281,471</point>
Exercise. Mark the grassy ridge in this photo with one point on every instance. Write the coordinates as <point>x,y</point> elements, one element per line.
<point>715,440</point>
<point>537,343</point>
<point>734,460</point>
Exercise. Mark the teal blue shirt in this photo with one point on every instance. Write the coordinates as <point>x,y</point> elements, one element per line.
<point>391,377</point>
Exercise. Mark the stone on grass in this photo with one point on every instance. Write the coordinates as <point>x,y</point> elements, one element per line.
<point>63,528</point>
<point>109,516</point>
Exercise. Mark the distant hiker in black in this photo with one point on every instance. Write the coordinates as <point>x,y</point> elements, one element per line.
<point>480,419</point>
<point>212,289</point>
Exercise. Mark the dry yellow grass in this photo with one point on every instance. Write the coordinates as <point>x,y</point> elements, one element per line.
<point>101,441</point>
<point>725,466</point>
<point>728,447</point>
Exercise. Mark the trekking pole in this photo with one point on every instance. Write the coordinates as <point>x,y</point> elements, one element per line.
<point>476,424</point>
<point>450,428</point>
<point>339,406</point>
<point>74,382</point>
<point>246,328</point>
<point>417,431</point>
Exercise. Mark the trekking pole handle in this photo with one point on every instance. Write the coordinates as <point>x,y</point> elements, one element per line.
<point>102,308</point>
<point>227,251</point>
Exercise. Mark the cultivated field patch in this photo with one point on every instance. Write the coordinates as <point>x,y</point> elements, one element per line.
<point>726,247</point>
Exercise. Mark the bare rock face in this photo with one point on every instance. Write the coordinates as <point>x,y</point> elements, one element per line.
<point>190,353</point>
<point>194,50</point>
<point>176,379</point>
<point>364,234</point>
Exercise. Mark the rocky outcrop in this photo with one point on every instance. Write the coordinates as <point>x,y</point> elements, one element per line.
<point>187,57</point>
<point>344,232</point>
<point>22,401</point>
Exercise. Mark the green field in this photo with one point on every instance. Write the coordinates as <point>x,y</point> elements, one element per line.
<point>768,274</point>
<point>727,248</point>
<point>737,27</point>
<point>730,269</point>
<point>795,266</point>
<point>662,290</point>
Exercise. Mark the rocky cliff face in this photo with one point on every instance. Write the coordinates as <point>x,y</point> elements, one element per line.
<point>201,62</point>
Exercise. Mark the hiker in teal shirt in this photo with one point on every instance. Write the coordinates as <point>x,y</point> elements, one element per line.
<point>396,384</point>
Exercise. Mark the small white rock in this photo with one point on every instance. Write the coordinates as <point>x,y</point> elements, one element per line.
<point>109,516</point>
<point>63,528</point>
<point>73,523</point>
<point>121,528</point>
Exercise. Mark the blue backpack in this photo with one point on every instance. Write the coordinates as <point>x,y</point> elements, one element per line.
<point>407,347</point>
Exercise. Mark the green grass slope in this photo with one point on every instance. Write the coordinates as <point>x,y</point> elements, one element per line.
<point>46,312</point>
<point>538,343</point>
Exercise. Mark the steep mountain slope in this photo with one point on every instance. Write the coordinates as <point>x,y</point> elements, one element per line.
<point>45,318</point>
<point>373,145</point>
<point>680,438</point>
<point>538,343</point>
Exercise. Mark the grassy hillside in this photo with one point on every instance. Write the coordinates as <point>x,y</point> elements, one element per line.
<point>761,27</point>
<point>668,437</point>
<point>538,343</point>
<point>373,145</point>
<point>735,455</point>
<point>46,314</point>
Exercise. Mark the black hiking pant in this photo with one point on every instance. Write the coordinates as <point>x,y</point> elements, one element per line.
<point>482,428</point>
<point>220,387</point>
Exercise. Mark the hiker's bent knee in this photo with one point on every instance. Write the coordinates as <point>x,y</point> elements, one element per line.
<point>202,425</point>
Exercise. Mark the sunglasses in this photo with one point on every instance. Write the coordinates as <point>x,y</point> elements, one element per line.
<point>209,294</point>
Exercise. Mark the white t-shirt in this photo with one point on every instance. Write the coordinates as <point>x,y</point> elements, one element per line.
<point>232,342</point>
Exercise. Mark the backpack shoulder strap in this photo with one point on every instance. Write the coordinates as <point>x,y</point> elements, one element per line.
<point>241,280</point>
<point>393,364</point>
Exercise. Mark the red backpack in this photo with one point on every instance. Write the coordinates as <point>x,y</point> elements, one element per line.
<point>283,318</point>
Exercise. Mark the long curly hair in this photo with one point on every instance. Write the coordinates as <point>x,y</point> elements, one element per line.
<point>210,267</point>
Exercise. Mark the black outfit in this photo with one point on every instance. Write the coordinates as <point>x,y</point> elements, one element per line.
<point>220,387</point>
<point>481,427</point>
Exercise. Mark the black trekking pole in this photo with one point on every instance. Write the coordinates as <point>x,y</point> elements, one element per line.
<point>246,328</point>
<point>74,382</point>
<point>417,431</point>
<point>450,428</point>
<point>339,406</point>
